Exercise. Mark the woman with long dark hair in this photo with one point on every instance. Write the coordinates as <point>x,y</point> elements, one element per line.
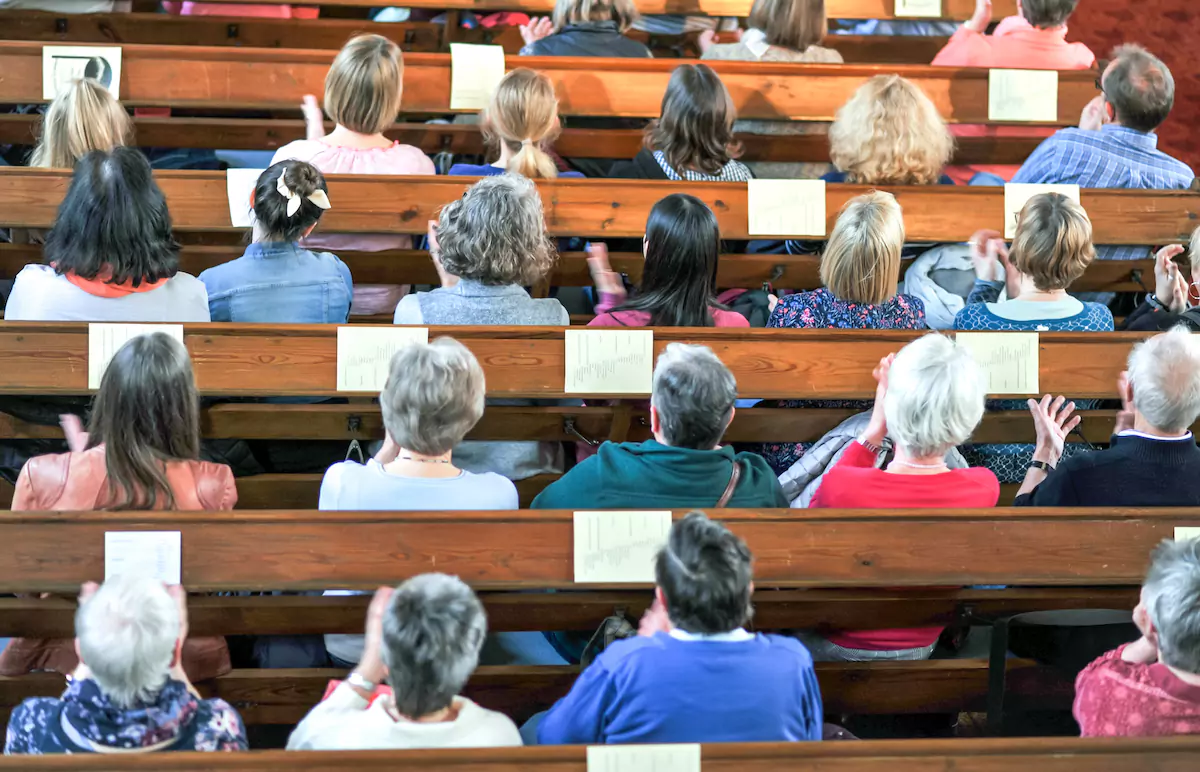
<point>679,278</point>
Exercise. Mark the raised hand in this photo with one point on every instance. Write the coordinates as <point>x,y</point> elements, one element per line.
<point>1053,419</point>
<point>314,119</point>
<point>536,29</point>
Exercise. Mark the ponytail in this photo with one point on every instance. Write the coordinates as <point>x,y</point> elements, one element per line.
<point>523,115</point>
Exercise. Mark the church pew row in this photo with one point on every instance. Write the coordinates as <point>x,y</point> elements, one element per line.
<point>1162,754</point>
<point>48,358</point>
<point>271,134</point>
<point>263,78</point>
<point>796,272</point>
<point>419,37</point>
<point>613,208</point>
<point>960,10</point>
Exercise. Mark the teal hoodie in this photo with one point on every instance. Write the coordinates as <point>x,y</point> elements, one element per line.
<point>632,475</point>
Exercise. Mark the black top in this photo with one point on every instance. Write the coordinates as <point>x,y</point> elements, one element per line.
<point>589,38</point>
<point>1147,317</point>
<point>643,166</point>
<point>1133,472</point>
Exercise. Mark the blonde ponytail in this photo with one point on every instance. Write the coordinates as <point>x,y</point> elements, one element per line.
<point>523,115</point>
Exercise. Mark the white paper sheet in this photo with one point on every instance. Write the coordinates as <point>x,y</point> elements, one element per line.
<point>918,9</point>
<point>1009,360</point>
<point>364,354</point>
<point>104,340</point>
<point>609,361</point>
<point>475,71</point>
<point>1023,95</point>
<point>1185,533</point>
<point>787,208</point>
<point>643,758</point>
<point>63,64</point>
<point>239,190</point>
<point>1017,194</point>
<point>158,554</point>
<point>618,547</point>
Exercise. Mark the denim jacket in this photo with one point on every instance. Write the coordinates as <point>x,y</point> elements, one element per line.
<point>280,282</point>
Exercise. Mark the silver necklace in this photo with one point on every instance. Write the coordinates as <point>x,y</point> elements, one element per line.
<point>911,465</point>
<point>425,460</point>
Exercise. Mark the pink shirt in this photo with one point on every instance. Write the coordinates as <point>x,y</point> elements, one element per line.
<point>606,318</point>
<point>1115,698</point>
<point>245,10</point>
<point>332,159</point>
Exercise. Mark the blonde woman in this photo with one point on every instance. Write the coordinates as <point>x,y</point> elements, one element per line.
<point>362,96</point>
<point>82,118</point>
<point>889,133</point>
<point>860,269</point>
<point>520,123</point>
<point>584,28</point>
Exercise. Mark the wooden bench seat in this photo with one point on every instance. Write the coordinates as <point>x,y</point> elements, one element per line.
<point>263,78</point>
<point>613,208</point>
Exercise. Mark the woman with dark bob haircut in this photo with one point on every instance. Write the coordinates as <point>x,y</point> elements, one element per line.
<point>110,256</point>
<point>141,452</point>
<point>693,137</point>
<point>679,278</point>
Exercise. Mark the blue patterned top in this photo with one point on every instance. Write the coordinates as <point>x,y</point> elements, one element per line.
<point>84,720</point>
<point>821,309</point>
<point>978,315</point>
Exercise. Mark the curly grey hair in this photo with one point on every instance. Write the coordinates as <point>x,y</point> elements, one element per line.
<point>496,233</point>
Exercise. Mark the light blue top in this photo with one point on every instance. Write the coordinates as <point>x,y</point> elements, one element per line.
<point>354,486</point>
<point>280,282</point>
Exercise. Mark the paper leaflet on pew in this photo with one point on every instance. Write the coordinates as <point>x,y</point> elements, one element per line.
<point>63,64</point>
<point>617,547</point>
<point>157,554</point>
<point>918,9</point>
<point>1186,533</point>
<point>1017,194</point>
<point>609,361</point>
<point>104,340</point>
<point>786,208</point>
<point>1009,360</point>
<point>1023,96</point>
<point>644,758</point>
<point>475,71</point>
<point>239,190</point>
<point>364,354</point>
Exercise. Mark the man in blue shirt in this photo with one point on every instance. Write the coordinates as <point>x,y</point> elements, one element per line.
<point>1115,145</point>
<point>693,674</point>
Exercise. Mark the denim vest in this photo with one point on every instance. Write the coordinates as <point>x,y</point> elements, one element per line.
<point>279,282</point>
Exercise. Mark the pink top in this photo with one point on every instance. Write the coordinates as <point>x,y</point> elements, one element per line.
<point>1015,43</point>
<point>1115,698</point>
<point>245,10</point>
<point>606,318</point>
<point>332,159</point>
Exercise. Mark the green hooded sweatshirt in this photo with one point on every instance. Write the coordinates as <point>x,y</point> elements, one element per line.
<point>632,475</point>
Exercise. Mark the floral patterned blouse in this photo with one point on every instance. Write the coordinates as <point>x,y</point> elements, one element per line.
<point>84,720</point>
<point>821,309</point>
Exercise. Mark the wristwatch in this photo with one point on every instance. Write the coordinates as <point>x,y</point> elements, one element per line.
<point>1154,302</point>
<point>875,449</point>
<point>356,680</point>
<point>1045,467</point>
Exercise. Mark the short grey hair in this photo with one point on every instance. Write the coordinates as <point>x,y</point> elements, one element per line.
<point>127,633</point>
<point>433,396</point>
<point>1165,374</point>
<point>496,233</point>
<point>1140,88</point>
<point>1171,596</point>
<point>694,394</point>
<point>432,633</point>
<point>935,396</point>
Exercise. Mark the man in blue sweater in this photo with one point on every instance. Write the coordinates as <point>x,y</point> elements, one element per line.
<point>693,674</point>
<point>1152,460</point>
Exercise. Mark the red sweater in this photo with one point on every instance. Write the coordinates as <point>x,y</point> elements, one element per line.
<point>855,483</point>
<point>1115,698</point>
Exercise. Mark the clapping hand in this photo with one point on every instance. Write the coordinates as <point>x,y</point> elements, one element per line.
<point>982,16</point>
<point>314,119</point>
<point>536,29</point>
<point>877,426</point>
<point>988,251</point>
<point>72,426</point>
<point>655,620</point>
<point>1169,285</point>
<point>607,281</point>
<point>1053,419</point>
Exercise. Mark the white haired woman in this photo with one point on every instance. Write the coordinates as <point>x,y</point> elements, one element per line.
<point>129,693</point>
<point>424,637</point>
<point>929,399</point>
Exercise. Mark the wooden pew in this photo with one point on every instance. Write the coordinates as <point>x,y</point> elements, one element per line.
<point>270,134</point>
<point>835,9</point>
<point>614,208</point>
<point>426,37</point>
<point>1162,754</point>
<point>45,358</point>
<point>260,78</point>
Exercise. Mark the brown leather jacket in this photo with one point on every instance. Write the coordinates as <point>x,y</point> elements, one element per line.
<point>70,482</point>
<point>78,482</point>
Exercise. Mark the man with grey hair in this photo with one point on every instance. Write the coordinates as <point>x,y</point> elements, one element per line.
<point>1115,145</point>
<point>1151,687</point>
<point>1152,460</point>
<point>424,637</point>
<point>129,693</point>
<point>684,465</point>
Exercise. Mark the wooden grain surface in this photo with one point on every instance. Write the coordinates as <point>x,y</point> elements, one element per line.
<point>308,550</point>
<point>290,360</point>
<point>614,208</point>
<point>263,78</point>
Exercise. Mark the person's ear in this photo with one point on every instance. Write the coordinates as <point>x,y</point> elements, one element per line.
<point>1141,618</point>
<point>78,653</point>
<point>309,231</point>
<point>655,423</point>
<point>177,656</point>
<point>645,246</point>
<point>1126,390</point>
<point>660,596</point>
<point>251,198</point>
<point>732,412</point>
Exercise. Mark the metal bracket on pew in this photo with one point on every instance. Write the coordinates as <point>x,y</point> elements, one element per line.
<point>61,25</point>
<point>570,428</point>
<point>353,424</point>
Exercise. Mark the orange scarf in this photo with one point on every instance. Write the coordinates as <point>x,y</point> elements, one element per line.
<point>101,287</point>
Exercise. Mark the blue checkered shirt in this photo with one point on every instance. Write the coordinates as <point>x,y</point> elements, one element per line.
<point>1114,157</point>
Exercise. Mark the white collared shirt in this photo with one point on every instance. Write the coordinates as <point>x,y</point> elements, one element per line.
<point>733,636</point>
<point>1144,436</point>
